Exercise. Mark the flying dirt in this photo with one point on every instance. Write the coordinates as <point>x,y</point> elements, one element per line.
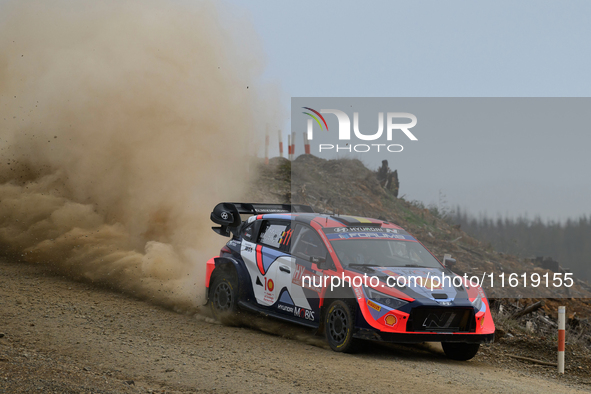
<point>118,121</point>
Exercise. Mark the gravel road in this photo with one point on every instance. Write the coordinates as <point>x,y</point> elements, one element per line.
<point>67,337</point>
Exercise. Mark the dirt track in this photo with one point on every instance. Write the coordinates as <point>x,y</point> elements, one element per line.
<point>63,336</point>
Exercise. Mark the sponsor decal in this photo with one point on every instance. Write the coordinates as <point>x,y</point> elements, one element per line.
<point>269,295</point>
<point>358,292</point>
<point>444,303</point>
<point>303,313</point>
<point>297,275</point>
<point>269,284</point>
<point>443,320</point>
<point>365,229</point>
<point>390,320</point>
<point>248,248</point>
<point>285,308</point>
<point>374,305</point>
<point>380,235</point>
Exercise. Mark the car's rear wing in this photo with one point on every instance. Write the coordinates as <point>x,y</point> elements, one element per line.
<point>227,214</point>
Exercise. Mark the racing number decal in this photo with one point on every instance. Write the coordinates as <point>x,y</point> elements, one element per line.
<point>285,237</point>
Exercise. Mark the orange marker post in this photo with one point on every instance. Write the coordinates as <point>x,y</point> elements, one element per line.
<point>561,337</point>
<point>280,144</point>
<point>306,144</point>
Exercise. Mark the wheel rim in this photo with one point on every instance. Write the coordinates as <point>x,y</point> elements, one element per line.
<point>337,325</point>
<point>222,297</point>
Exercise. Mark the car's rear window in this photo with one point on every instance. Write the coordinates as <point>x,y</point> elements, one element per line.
<point>271,234</point>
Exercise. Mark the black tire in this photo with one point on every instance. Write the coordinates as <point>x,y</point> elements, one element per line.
<point>223,296</point>
<point>460,351</point>
<point>339,324</point>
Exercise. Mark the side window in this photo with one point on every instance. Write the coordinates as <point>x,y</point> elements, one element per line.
<point>249,232</point>
<point>307,243</point>
<point>272,233</point>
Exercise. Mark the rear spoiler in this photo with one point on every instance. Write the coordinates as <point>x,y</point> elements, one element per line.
<point>227,214</point>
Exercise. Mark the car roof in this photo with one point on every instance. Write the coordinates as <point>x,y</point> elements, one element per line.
<point>325,220</point>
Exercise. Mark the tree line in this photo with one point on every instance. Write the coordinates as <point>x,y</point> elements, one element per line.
<point>567,242</point>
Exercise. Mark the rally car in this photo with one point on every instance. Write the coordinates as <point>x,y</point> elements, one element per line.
<point>348,277</point>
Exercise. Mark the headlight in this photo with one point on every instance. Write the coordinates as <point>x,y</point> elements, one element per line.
<point>384,299</point>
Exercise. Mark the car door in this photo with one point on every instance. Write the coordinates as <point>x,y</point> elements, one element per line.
<point>306,246</point>
<point>267,261</point>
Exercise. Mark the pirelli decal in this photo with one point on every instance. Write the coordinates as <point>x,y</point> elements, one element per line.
<point>373,305</point>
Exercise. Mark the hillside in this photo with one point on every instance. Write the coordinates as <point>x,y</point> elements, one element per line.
<point>348,187</point>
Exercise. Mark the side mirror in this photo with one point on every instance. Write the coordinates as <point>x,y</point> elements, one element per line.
<point>320,262</point>
<point>448,261</point>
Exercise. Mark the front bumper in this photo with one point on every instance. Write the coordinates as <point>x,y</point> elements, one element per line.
<point>423,337</point>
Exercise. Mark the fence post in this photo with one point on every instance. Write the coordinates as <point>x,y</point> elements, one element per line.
<point>561,337</point>
<point>280,144</point>
<point>306,144</point>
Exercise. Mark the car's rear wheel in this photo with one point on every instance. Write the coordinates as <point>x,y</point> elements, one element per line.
<point>339,324</point>
<point>223,296</point>
<point>460,351</point>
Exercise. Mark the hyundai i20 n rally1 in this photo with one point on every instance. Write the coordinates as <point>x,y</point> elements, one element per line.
<point>350,277</point>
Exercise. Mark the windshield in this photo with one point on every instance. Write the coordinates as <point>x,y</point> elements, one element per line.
<point>383,253</point>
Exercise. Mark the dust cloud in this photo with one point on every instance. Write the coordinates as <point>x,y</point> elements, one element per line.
<point>122,123</point>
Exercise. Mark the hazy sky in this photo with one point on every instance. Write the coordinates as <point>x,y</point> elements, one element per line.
<point>449,49</point>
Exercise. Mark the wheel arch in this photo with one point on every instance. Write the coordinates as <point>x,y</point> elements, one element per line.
<point>340,293</point>
<point>232,267</point>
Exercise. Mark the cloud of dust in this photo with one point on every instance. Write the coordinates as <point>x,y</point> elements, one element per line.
<point>122,123</point>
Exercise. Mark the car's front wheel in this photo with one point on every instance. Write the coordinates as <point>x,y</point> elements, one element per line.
<point>339,324</point>
<point>223,296</point>
<point>460,351</point>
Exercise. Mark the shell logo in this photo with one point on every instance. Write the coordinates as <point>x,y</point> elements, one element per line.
<point>270,285</point>
<point>390,320</point>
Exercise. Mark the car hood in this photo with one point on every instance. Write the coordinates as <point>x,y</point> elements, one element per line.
<point>421,283</point>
